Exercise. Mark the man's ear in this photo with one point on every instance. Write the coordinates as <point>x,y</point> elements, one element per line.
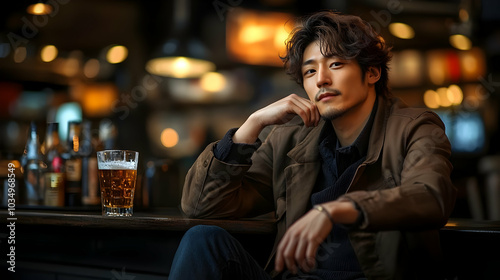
<point>373,74</point>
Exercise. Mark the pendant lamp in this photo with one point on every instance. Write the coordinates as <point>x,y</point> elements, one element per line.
<point>182,55</point>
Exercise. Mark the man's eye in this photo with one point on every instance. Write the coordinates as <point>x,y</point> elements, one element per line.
<point>309,71</point>
<point>336,64</point>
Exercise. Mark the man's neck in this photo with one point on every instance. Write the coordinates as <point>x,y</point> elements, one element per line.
<point>349,126</point>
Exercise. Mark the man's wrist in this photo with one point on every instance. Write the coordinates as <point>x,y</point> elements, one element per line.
<point>343,212</point>
<point>249,132</point>
<point>323,210</point>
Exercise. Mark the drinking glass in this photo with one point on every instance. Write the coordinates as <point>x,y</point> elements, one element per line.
<point>117,177</point>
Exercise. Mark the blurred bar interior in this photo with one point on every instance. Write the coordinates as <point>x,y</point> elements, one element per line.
<point>167,77</point>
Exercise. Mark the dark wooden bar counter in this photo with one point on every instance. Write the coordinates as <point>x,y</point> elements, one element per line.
<point>163,220</point>
<point>61,244</point>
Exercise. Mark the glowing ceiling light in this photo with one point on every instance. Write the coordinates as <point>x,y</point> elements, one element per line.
<point>39,9</point>
<point>460,42</point>
<point>117,54</point>
<point>48,53</point>
<point>401,30</point>
<point>182,55</point>
<point>179,67</point>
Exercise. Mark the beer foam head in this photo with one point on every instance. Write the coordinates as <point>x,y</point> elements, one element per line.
<point>117,165</point>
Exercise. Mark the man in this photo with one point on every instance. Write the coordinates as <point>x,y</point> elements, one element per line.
<point>359,183</point>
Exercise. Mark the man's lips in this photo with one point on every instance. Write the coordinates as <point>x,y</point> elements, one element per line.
<point>325,95</point>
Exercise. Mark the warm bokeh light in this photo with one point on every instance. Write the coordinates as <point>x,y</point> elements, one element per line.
<point>431,99</point>
<point>436,67</point>
<point>117,54</point>
<point>39,9</point>
<point>213,82</point>
<point>179,67</point>
<point>91,68</point>
<point>455,95</point>
<point>71,66</point>
<point>407,68</point>
<point>257,37</point>
<point>443,97</point>
<point>460,42</point>
<point>253,33</point>
<point>169,137</point>
<point>20,54</point>
<point>401,30</point>
<point>48,53</point>
<point>472,64</point>
<point>280,39</point>
<point>97,99</point>
<point>463,14</point>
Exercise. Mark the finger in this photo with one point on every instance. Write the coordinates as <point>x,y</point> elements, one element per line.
<point>311,110</point>
<point>310,254</point>
<point>300,253</point>
<point>289,256</point>
<point>279,262</point>
<point>304,109</point>
<point>318,115</point>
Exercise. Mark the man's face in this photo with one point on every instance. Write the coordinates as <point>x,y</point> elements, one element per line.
<point>335,85</point>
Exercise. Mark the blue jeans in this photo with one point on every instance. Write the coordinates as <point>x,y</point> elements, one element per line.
<point>210,252</point>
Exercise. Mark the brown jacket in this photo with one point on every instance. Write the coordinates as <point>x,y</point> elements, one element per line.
<point>403,188</point>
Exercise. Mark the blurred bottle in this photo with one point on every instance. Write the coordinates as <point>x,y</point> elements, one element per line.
<point>73,188</point>
<point>107,135</point>
<point>54,177</point>
<point>90,185</point>
<point>33,168</point>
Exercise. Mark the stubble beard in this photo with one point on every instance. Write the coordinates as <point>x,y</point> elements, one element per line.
<point>331,114</point>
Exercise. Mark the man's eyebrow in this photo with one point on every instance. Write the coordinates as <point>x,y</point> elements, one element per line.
<point>307,62</point>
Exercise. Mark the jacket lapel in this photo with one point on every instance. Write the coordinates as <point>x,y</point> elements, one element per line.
<point>301,175</point>
<point>377,138</point>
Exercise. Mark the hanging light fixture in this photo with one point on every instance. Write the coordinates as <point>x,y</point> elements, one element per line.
<point>181,56</point>
<point>39,9</point>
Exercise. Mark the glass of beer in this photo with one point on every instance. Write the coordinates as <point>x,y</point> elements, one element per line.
<point>117,178</point>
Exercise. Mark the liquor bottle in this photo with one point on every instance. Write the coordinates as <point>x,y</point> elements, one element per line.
<point>90,184</point>
<point>107,134</point>
<point>33,168</point>
<point>73,188</point>
<point>54,177</point>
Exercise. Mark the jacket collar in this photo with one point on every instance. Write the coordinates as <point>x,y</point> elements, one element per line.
<point>377,135</point>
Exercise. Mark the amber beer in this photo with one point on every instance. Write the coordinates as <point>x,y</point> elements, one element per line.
<point>117,179</point>
<point>117,188</point>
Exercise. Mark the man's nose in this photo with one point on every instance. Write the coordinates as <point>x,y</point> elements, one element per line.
<point>323,77</point>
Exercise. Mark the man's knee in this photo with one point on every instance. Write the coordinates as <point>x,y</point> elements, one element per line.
<point>204,235</point>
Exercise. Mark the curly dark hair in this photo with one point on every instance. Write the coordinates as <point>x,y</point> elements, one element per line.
<point>345,36</point>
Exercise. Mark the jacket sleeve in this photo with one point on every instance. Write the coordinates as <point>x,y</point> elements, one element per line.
<point>417,192</point>
<point>218,189</point>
